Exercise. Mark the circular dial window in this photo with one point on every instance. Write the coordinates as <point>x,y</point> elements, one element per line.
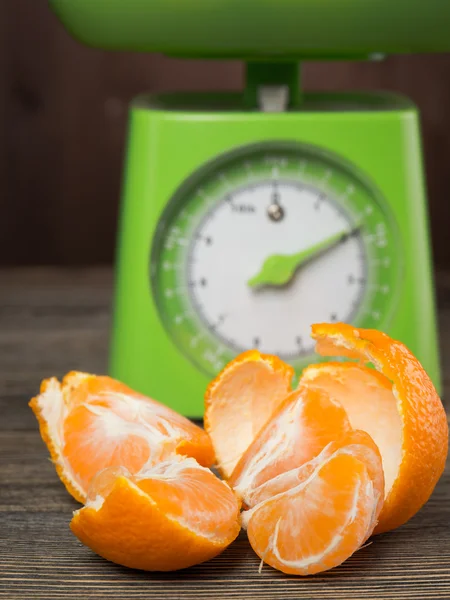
<point>261,243</point>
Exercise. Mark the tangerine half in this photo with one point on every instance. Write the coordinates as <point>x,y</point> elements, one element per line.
<point>168,517</point>
<point>90,423</point>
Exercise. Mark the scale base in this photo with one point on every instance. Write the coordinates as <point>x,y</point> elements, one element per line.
<point>171,136</point>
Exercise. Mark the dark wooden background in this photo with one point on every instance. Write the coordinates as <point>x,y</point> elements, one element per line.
<point>63,121</point>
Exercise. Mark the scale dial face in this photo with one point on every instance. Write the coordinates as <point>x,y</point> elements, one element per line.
<point>264,241</point>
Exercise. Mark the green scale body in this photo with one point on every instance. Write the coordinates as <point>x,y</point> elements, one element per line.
<point>246,217</point>
<point>196,226</point>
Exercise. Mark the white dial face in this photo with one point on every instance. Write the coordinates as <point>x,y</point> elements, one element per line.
<point>236,237</point>
<point>261,243</point>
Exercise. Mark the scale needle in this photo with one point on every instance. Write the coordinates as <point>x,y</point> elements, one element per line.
<point>278,269</point>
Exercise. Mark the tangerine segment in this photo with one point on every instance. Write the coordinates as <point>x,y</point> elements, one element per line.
<point>318,524</point>
<point>301,427</point>
<point>240,400</point>
<point>355,443</point>
<point>170,517</point>
<point>90,422</point>
<point>368,399</point>
<point>414,442</point>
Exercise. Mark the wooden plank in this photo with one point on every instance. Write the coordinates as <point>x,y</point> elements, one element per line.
<point>66,312</point>
<point>52,321</point>
<point>33,137</point>
<point>63,117</point>
<point>66,127</point>
<point>50,563</point>
<point>55,320</point>
<point>412,562</point>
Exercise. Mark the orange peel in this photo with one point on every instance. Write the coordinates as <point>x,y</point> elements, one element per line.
<point>411,429</point>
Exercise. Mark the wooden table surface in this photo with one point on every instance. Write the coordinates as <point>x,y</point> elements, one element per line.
<point>52,321</point>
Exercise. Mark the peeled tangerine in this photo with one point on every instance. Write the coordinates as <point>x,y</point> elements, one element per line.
<point>353,451</point>
<point>171,516</point>
<point>135,463</point>
<point>313,486</point>
<point>90,423</point>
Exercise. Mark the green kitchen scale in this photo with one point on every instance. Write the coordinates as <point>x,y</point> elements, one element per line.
<point>246,217</point>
